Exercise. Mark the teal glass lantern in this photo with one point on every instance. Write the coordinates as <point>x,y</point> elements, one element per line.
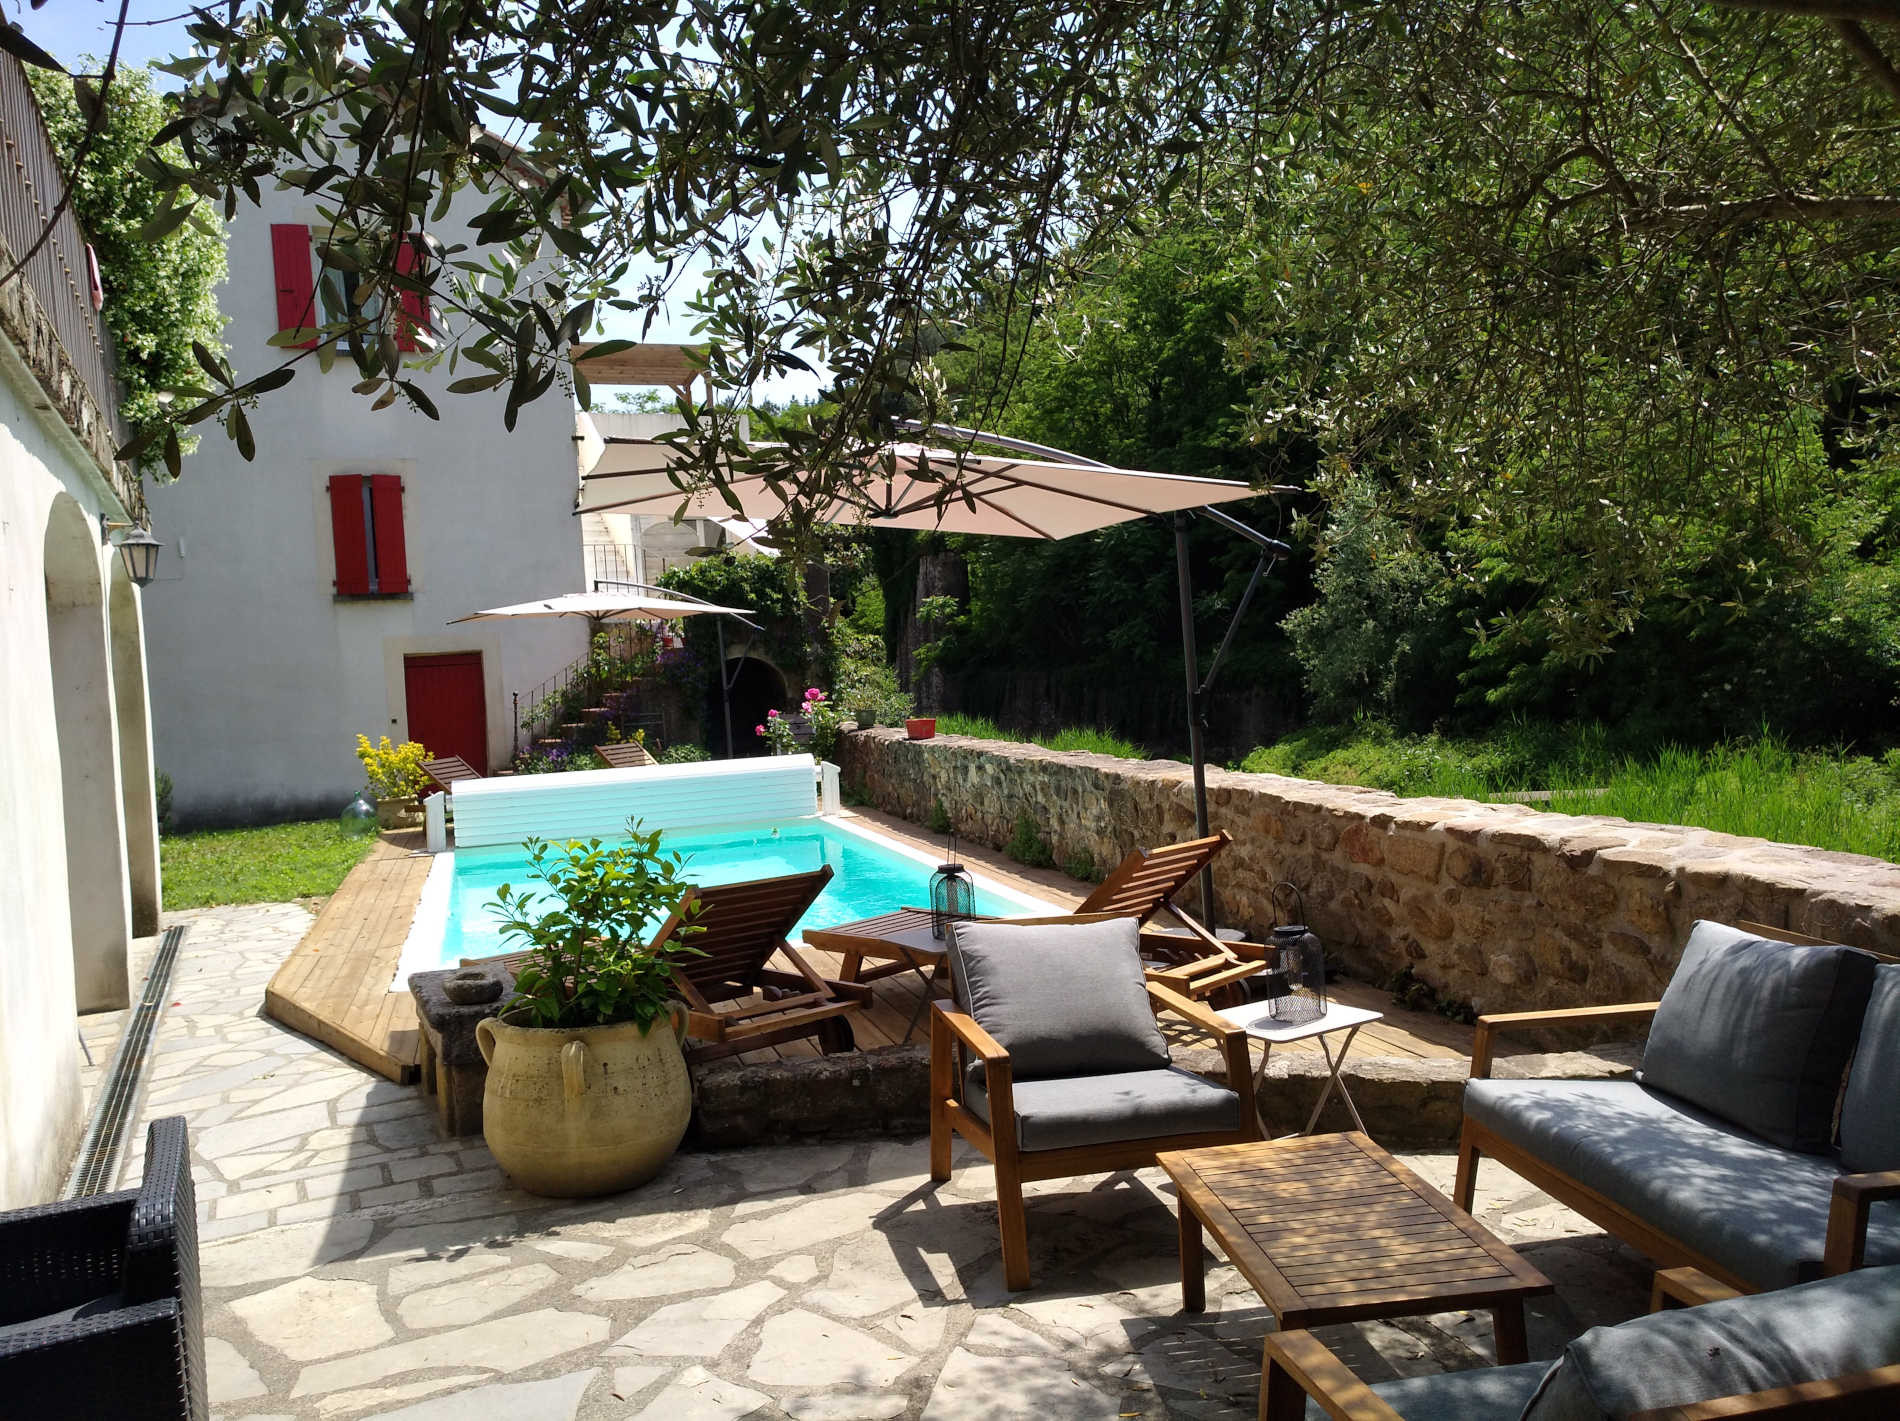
<point>952,893</point>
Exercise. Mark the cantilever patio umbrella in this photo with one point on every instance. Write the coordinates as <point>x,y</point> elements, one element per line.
<point>1053,494</point>
<point>642,604</point>
<point>911,486</point>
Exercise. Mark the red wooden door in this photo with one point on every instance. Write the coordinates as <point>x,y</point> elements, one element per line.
<point>448,707</point>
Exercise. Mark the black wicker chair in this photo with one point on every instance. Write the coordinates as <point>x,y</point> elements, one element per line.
<point>99,1305</point>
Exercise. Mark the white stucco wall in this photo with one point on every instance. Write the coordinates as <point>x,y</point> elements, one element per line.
<point>260,677</point>
<point>42,481</point>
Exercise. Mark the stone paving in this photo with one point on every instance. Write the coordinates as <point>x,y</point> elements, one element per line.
<point>356,1265</point>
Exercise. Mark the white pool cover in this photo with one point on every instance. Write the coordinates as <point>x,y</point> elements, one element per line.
<point>586,804</point>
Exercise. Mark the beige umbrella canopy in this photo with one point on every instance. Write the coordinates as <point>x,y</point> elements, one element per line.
<point>1035,493</point>
<point>603,607</point>
<point>912,486</point>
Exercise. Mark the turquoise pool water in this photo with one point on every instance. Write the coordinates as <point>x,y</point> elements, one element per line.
<point>869,877</point>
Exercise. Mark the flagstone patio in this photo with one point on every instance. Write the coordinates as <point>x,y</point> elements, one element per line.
<point>356,1265</point>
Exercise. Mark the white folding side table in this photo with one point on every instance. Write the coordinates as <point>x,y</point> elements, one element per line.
<point>1254,1018</point>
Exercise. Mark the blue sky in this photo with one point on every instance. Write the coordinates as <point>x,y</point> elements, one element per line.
<point>70,29</point>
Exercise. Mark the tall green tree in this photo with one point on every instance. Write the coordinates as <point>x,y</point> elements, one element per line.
<point>1611,293</point>
<point>160,293</point>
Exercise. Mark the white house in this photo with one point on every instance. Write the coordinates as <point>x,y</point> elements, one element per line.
<point>312,590</point>
<point>79,868</point>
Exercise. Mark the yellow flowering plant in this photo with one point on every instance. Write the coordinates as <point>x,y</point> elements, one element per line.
<point>395,771</point>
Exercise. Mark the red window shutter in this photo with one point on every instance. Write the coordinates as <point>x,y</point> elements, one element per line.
<point>414,313</point>
<point>346,528</point>
<point>296,284</point>
<point>392,554</point>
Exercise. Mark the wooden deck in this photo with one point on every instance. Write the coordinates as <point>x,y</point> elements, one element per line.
<point>334,986</point>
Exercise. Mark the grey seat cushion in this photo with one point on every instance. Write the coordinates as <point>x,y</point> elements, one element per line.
<point>1870,1111</point>
<point>1064,999</point>
<point>1757,1210</point>
<point>1481,1394</point>
<point>1760,1032</point>
<point>1055,1114</point>
<point>1836,1327</point>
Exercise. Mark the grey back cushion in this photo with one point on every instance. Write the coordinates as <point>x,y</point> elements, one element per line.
<point>1870,1112</point>
<point>1759,1032</point>
<point>1837,1327</point>
<point>1064,999</point>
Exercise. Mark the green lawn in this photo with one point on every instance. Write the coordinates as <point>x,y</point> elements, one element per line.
<point>270,865</point>
<point>1096,742</point>
<point>1761,788</point>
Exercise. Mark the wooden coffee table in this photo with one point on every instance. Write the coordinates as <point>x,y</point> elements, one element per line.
<point>1331,1228</point>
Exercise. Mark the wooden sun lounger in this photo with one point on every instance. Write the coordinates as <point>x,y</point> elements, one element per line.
<point>448,769</point>
<point>744,924</point>
<point>1197,963</point>
<point>625,755</point>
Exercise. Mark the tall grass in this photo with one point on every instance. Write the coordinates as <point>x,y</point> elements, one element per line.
<point>1760,788</point>
<point>1096,742</point>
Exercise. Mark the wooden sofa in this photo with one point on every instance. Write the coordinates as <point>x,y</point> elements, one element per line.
<point>1826,1349</point>
<point>1683,1186</point>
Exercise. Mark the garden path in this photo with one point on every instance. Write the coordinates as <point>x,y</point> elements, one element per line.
<point>356,1265</point>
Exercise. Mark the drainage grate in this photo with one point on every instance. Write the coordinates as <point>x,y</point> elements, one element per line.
<point>99,1153</point>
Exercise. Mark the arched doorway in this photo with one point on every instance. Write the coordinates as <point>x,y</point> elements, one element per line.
<point>136,780</point>
<point>757,687</point>
<point>79,657</point>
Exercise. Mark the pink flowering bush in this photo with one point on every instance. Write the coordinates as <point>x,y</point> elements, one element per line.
<point>819,709</point>
<point>777,732</point>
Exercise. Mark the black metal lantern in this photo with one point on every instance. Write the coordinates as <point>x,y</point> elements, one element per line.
<point>1298,959</point>
<point>952,894</point>
<point>138,550</point>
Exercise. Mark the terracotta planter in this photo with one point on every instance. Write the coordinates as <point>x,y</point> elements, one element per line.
<point>921,727</point>
<point>397,813</point>
<point>588,1110</point>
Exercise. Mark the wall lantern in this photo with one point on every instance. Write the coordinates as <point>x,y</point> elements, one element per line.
<point>138,549</point>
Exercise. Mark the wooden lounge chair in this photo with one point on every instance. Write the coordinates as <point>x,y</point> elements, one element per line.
<point>743,926</point>
<point>446,770</point>
<point>625,755</point>
<point>1193,961</point>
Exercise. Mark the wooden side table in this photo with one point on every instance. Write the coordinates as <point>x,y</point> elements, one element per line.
<point>1332,1228</point>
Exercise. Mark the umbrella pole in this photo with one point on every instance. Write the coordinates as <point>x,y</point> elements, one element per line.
<point>725,686</point>
<point>1191,659</point>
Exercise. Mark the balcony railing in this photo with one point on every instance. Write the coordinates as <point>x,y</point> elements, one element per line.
<point>608,563</point>
<point>62,338</point>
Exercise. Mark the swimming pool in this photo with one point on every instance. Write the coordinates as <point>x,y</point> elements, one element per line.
<point>871,874</point>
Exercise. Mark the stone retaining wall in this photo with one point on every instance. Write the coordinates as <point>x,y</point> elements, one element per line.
<point>1503,905</point>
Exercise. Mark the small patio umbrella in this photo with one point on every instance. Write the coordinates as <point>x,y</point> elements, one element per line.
<point>639,605</point>
<point>605,607</point>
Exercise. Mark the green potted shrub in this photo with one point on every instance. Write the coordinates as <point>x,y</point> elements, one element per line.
<point>396,778</point>
<point>587,1090</point>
